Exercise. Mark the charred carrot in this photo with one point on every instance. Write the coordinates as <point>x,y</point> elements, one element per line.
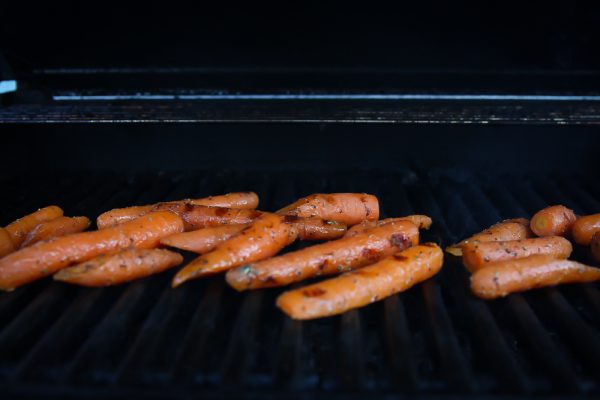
<point>245,200</point>
<point>347,208</point>
<point>263,238</point>
<point>203,240</point>
<point>358,288</point>
<point>595,245</point>
<point>327,258</point>
<point>19,229</point>
<point>316,228</point>
<point>60,226</point>
<point>421,221</point>
<point>197,217</point>
<point>121,267</point>
<point>45,258</point>
<point>479,255</point>
<point>553,221</point>
<point>584,228</point>
<point>6,244</point>
<point>500,279</point>
<point>510,229</point>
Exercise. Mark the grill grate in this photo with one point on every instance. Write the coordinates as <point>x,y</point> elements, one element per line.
<point>204,339</point>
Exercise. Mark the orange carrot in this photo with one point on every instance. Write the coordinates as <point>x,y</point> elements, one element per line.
<point>316,228</point>
<point>479,255</point>
<point>327,258</point>
<point>245,200</point>
<point>45,258</point>
<point>262,239</point>
<point>421,221</point>
<point>500,279</point>
<point>19,229</point>
<point>348,208</point>
<point>125,266</point>
<point>197,217</point>
<point>358,288</point>
<point>203,240</point>
<point>6,244</point>
<point>595,245</point>
<point>510,229</point>
<point>553,221</point>
<point>60,226</point>
<point>584,228</point>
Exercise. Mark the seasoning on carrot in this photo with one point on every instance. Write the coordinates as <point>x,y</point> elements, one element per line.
<point>510,229</point>
<point>60,226</point>
<point>502,278</point>
<point>262,239</point>
<point>326,258</point>
<point>45,258</point>
<point>358,288</point>
<point>6,244</point>
<point>316,228</point>
<point>125,266</point>
<point>347,208</point>
<point>245,200</point>
<point>421,221</point>
<point>553,221</point>
<point>584,228</point>
<point>595,246</point>
<point>203,240</point>
<point>197,217</point>
<point>19,229</point>
<point>479,255</point>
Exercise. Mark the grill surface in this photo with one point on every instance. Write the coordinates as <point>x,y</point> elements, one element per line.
<point>205,340</point>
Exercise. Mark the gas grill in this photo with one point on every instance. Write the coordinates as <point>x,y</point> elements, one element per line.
<point>468,142</point>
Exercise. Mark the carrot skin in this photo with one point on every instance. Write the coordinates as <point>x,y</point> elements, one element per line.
<point>327,258</point>
<point>421,221</point>
<point>316,228</point>
<point>6,243</point>
<point>479,255</point>
<point>19,229</point>
<point>595,246</point>
<point>60,226</point>
<point>197,216</point>
<point>584,228</point>
<point>553,221</point>
<point>510,229</point>
<point>358,288</point>
<point>203,240</point>
<point>45,258</point>
<point>502,278</point>
<point>125,266</point>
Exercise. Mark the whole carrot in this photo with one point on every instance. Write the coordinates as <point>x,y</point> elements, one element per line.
<point>510,229</point>
<point>595,246</point>
<point>125,266</point>
<point>262,239</point>
<point>347,208</point>
<point>19,229</point>
<point>358,288</point>
<point>45,258</point>
<point>246,200</point>
<point>421,221</point>
<point>203,240</point>
<point>197,217</point>
<point>584,228</point>
<point>316,228</point>
<point>500,279</point>
<point>6,244</point>
<point>553,221</point>
<point>479,255</point>
<point>327,258</point>
<point>60,226</point>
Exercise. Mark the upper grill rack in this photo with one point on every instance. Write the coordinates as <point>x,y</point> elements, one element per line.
<point>205,339</point>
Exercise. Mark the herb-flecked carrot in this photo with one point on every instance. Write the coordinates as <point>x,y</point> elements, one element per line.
<point>19,229</point>
<point>60,226</point>
<point>421,221</point>
<point>553,221</point>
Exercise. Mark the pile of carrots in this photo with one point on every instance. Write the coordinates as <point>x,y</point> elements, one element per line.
<point>517,254</point>
<point>373,258</point>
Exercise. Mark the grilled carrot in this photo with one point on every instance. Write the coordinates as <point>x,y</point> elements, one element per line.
<point>348,208</point>
<point>510,229</point>
<point>45,258</point>
<point>60,226</point>
<point>19,229</point>
<point>595,245</point>
<point>421,221</point>
<point>6,244</point>
<point>263,238</point>
<point>197,217</point>
<point>479,255</point>
<point>121,267</point>
<point>316,228</point>
<point>245,200</point>
<point>500,279</point>
<point>584,228</point>
<point>203,240</point>
<point>553,221</point>
<point>358,288</point>
<point>327,258</point>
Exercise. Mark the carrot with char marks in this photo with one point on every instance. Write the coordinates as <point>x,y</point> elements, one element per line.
<point>421,221</point>
<point>60,226</point>
<point>327,258</point>
<point>244,200</point>
<point>19,229</point>
<point>45,258</point>
<point>595,246</point>
<point>500,279</point>
<point>262,239</point>
<point>584,228</point>
<point>479,255</point>
<point>197,217</point>
<point>510,229</point>
<point>347,208</point>
<point>553,221</point>
<point>118,268</point>
<point>358,288</point>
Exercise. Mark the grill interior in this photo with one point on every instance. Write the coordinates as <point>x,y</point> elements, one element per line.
<point>206,340</point>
